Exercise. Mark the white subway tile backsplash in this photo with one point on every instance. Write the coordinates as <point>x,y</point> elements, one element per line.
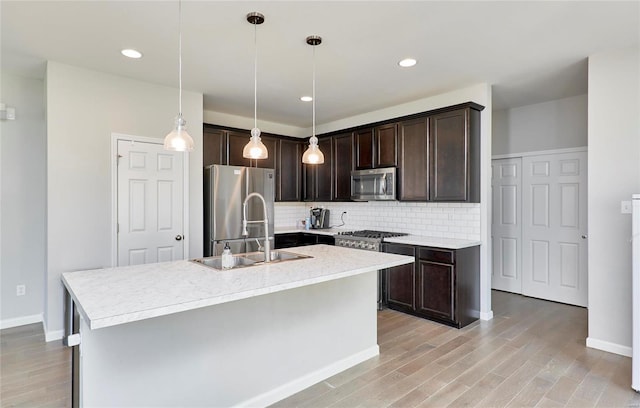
<point>448,220</point>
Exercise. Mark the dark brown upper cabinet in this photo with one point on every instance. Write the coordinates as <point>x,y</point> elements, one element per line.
<point>342,165</point>
<point>454,155</point>
<point>413,162</point>
<point>289,170</point>
<point>318,178</point>
<point>364,148</point>
<point>376,147</point>
<point>385,143</point>
<point>214,146</point>
<point>237,141</point>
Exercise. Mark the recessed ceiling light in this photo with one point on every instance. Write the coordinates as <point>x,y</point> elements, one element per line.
<point>131,53</point>
<point>407,62</point>
<point>306,98</point>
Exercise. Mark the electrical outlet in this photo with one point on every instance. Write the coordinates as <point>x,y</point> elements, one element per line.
<point>625,207</point>
<point>21,290</point>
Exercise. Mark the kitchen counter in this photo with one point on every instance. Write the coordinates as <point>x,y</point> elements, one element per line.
<point>436,242</point>
<point>418,240</point>
<point>112,296</point>
<point>326,231</point>
<point>181,334</point>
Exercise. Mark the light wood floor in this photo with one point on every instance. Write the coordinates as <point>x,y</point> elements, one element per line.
<point>531,354</point>
<point>33,373</point>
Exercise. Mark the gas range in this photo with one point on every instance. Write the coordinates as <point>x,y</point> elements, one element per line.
<point>364,239</point>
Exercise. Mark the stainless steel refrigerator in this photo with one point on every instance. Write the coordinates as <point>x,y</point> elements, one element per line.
<point>225,189</point>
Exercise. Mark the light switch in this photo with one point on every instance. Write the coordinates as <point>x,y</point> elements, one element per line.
<point>625,207</point>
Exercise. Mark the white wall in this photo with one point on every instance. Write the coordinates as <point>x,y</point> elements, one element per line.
<point>614,174</point>
<point>243,122</point>
<point>557,124</point>
<point>83,109</point>
<point>23,201</point>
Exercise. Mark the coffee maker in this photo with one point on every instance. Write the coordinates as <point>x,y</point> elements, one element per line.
<point>319,218</point>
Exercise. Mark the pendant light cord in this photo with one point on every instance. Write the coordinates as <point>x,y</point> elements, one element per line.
<point>180,58</point>
<point>255,76</point>
<point>313,90</point>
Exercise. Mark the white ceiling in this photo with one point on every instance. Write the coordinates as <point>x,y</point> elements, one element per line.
<point>530,51</point>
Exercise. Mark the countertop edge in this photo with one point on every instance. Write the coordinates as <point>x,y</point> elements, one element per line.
<point>433,242</point>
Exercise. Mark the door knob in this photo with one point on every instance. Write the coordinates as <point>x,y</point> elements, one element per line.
<point>178,237</point>
<point>584,237</point>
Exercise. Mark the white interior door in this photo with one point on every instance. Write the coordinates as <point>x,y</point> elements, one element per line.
<point>506,228</point>
<point>150,203</point>
<point>554,249</point>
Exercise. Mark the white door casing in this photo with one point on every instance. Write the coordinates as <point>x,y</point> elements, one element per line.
<point>150,205</point>
<point>554,227</point>
<point>506,229</point>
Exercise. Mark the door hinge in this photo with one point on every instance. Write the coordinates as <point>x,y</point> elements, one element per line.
<point>118,157</point>
<point>118,228</point>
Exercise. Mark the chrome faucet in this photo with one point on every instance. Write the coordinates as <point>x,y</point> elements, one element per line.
<point>267,244</point>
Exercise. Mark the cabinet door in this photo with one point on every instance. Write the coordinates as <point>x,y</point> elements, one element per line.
<point>324,172</point>
<point>289,170</point>
<point>237,141</point>
<point>343,164</point>
<point>386,137</point>
<point>448,151</point>
<point>413,176</point>
<point>364,148</point>
<point>309,192</point>
<point>214,147</point>
<point>400,281</point>
<point>272,148</point>
<point>436,290</point>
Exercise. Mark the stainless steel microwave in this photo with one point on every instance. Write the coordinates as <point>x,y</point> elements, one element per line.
<point>374,184</point>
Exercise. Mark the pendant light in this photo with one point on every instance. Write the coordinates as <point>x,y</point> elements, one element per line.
<point>179,140</point>
<point>313,155</point>
<point>255,149</point>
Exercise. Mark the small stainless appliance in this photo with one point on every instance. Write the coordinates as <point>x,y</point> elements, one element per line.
<point>319,218</point>
<point>373,184</point>
<point>368,240</point>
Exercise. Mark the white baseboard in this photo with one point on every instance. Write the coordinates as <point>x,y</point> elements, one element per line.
<point>609,347</point>
<point>486,315</point>
<point>51,335</point>
<point>20,321</point>
<point>308,380</point>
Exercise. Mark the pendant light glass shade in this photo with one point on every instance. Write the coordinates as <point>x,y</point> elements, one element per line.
<point>313,155</point>
<point>179,140</point>
<point>255,149</point>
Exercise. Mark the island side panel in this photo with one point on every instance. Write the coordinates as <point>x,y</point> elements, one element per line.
<point>254,351</point>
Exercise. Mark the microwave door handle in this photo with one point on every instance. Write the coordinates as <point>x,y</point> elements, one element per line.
<point>383,185</point>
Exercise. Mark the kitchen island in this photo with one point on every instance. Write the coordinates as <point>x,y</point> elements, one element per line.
<point>183,334</point>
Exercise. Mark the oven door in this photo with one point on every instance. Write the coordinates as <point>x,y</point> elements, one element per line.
<point>374,184</point>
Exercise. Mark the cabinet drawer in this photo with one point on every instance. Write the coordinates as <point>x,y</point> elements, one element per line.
<point>399,249</point>
<point>437,255</point>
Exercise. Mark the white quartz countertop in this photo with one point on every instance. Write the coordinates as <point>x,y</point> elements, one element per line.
<point>326,231</point>
<point>113,296</point>
<point>437,242</point>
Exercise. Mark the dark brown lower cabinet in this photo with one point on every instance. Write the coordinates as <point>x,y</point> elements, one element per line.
<point>446,284</point>
<point>295,239</point>
<point>400,281</point>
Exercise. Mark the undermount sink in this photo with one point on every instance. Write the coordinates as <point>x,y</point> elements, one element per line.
<point>249,259</point>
